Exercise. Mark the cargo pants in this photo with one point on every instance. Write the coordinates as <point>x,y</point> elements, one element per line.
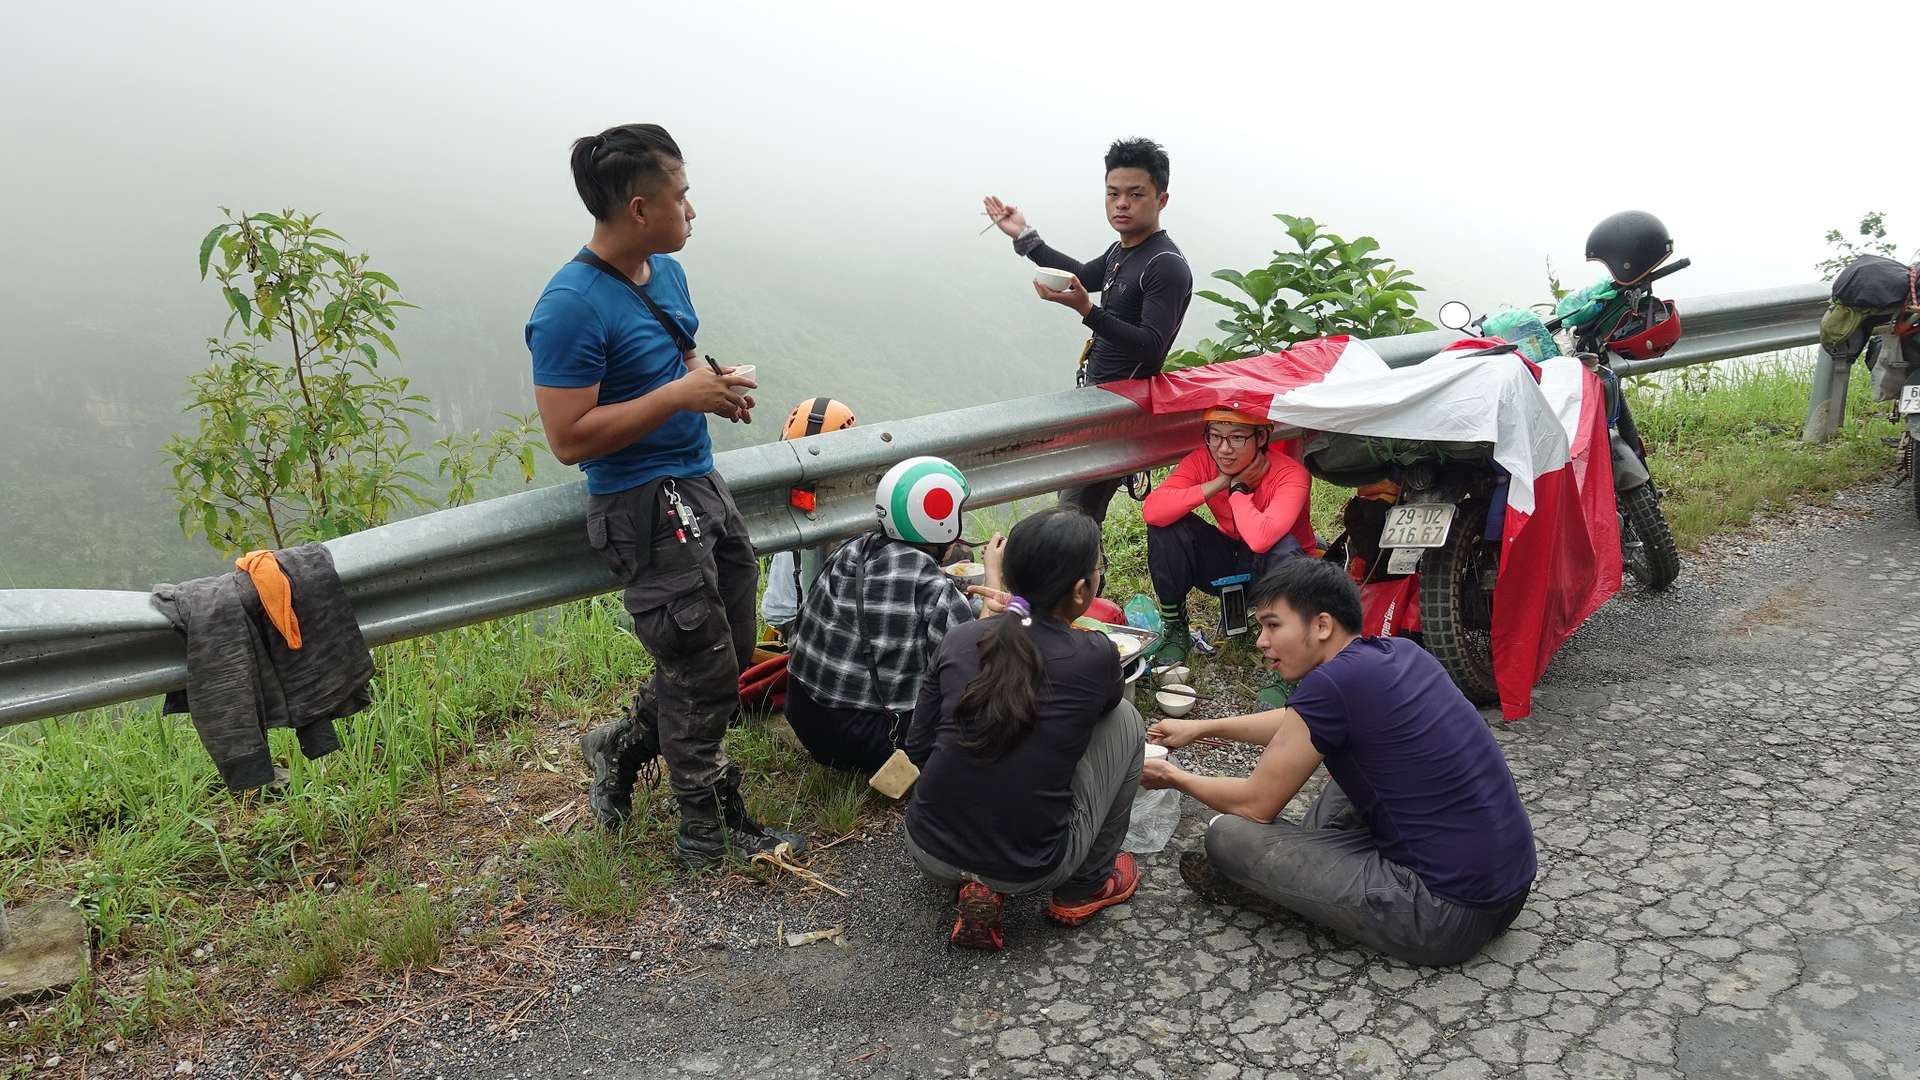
<point>690,588</point>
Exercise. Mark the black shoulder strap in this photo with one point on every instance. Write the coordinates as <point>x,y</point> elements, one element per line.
<point>860,621</point>
<point>681,339</point>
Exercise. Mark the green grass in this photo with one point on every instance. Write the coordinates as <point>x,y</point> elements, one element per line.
<point>1725,446</point>
<point>121,810</point>
<point>603,876</point>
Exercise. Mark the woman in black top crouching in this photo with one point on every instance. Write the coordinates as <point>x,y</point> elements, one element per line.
<point>1028,749</point>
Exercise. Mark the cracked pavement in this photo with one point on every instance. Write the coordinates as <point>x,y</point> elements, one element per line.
<point>1720,779</point>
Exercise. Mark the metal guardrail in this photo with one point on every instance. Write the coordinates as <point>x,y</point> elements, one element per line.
<point>63,650</point>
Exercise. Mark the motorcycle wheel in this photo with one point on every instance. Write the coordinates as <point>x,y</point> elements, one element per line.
<point>1646,544</point>
<point>1456,607</point>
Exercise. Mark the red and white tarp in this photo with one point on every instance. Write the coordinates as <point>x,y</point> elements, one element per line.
<point>1560,554</point>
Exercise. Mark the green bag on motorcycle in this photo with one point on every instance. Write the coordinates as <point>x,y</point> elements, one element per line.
<point>1522,328</point>
<point>1358,460</point>
<point>1582,306</point>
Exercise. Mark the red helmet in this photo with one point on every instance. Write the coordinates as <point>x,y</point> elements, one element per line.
<point>1647,331</point>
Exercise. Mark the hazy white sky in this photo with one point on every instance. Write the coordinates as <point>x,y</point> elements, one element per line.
<point>852,141</point>
<point>838,154</point>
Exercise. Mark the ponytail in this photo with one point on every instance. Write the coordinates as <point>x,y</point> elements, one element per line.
<point>1047,554</point>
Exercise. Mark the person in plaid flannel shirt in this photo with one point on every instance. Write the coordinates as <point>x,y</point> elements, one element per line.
<point>870,625</point>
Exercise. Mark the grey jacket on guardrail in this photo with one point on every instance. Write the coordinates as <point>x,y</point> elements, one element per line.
<point>242,678</point>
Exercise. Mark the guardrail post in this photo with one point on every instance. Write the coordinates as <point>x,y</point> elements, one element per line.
<point>1827,399</point>
<point>812,561</point>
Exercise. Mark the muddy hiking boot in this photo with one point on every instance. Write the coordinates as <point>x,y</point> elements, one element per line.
<point>715,824</point>
<point>618,752</point>
<point>976,923</point>
<point>1214,887</point>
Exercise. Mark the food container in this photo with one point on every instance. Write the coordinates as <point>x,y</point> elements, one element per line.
<point>1057,280</point>
<point>972,573</point>
<point>1133,662</point>
<point>1175,700</point>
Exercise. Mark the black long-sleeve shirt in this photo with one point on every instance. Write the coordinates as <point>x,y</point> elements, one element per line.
<point>1004,818</point>
<point>1144,291</point>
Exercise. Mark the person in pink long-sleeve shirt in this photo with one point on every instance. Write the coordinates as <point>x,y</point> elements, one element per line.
<point>1259,496</point>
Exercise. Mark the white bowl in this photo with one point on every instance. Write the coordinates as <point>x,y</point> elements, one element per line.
<point>1155,750</point>
<point>1179,673</point>
<point>972,573</point>
<point>1057,280</point>
<point>1175,700</point>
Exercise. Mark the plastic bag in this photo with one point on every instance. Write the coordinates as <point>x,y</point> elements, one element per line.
<point>1582,306</point>
<point>1143,613</point>
<point>1891,362</point>
<point>1156,814</point>
<point>1525,329</point>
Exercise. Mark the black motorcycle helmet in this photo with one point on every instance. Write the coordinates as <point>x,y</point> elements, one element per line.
<point>1631,243</point>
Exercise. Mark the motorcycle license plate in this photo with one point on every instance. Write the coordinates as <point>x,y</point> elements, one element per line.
<point>1417,525</point>
<point>1910,400</point>
<point>1404,560</point>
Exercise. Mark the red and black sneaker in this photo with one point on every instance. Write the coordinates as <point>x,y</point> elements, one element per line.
<point>1117,889</point>
<point>978,926</point>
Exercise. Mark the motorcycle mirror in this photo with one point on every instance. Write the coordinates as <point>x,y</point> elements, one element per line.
<point>1455,315</point>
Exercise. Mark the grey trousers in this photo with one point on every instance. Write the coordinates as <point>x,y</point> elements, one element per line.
<point>692,603</point>
<point>1104,784</point>
<point>1327,870</point>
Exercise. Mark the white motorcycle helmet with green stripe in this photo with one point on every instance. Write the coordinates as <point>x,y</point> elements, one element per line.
<point>919,501</point>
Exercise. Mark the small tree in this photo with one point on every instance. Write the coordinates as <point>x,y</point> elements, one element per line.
<point>1873,241</point>
<point>318,443</point>
<point>1329,286</point>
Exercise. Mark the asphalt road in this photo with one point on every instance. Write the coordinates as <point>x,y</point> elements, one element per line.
<point>1721,782</point>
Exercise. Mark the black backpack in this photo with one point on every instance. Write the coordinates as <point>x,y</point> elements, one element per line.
<point>1872,282</point>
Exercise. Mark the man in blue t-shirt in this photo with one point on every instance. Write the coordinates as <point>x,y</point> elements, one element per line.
<point>1419,846</point>
<point>622,393</point>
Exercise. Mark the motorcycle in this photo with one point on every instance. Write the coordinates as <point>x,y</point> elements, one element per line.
<point>1641,326</point>
<point>1441,537</point>
<point>1647,549</point>
<point>1886,314</point>
<point>1436,517</point>
<point>1893,361</point>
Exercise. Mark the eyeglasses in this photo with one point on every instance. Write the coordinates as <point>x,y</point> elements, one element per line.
<point>1234,441</point>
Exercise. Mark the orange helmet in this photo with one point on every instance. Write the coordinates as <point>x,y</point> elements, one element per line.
<point>1225,415</point>
<point>816,415</point>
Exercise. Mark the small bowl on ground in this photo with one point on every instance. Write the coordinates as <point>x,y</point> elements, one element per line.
<point>1177,674</point>
<point>1175,700</point>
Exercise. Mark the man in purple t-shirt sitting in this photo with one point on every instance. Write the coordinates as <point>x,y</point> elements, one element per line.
<point>1418,846</point>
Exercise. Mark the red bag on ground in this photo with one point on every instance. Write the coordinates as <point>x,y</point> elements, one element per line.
<point>1390,608</point>
<point>764,685</point>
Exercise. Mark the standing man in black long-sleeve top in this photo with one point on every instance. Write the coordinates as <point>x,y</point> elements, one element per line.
<point>1143,281</point>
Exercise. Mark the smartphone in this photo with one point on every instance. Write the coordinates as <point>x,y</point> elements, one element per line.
<point>1233,604</point>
